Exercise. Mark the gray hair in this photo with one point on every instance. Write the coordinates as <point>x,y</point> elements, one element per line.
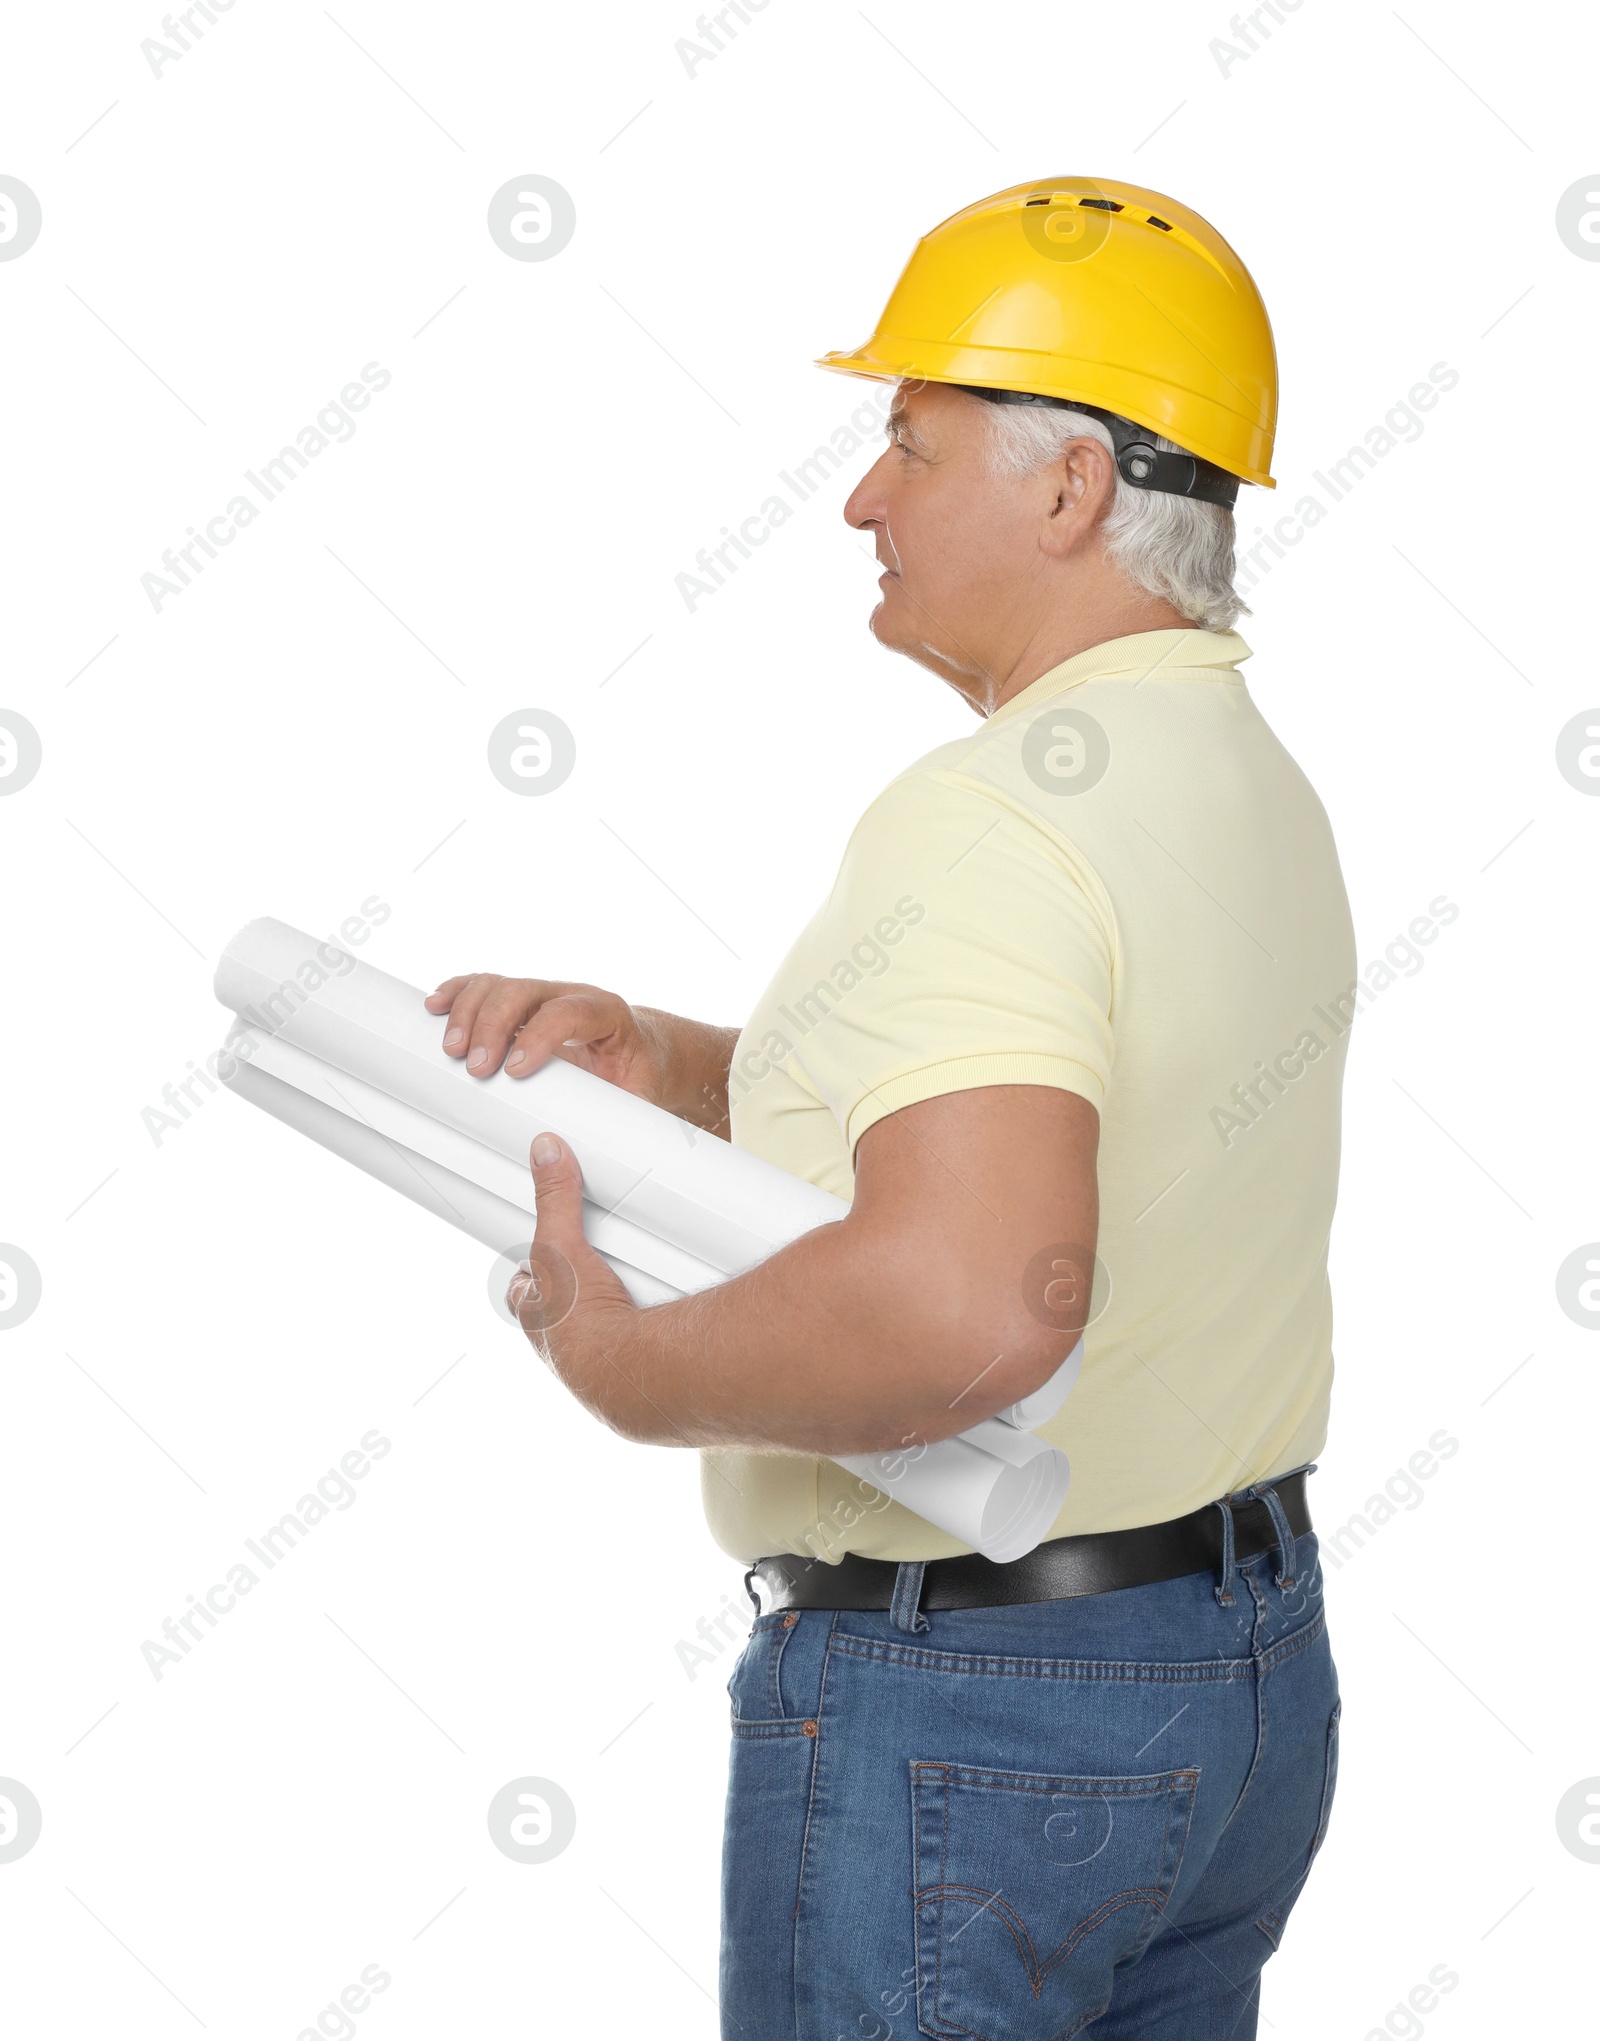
<point>1171,546</point>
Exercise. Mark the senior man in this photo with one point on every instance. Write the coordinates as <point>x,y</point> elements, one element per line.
<point>1067,1032</point>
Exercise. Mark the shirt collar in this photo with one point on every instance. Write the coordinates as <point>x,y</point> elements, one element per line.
<point>1213,654</point>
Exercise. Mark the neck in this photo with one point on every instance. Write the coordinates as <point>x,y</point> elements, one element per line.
<point>1054,640</point>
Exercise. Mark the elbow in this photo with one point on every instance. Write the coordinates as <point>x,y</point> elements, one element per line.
<point>984,1388</point>
<point>963,1372</point>
<point>634,1426</point>
<point>638,1418</point>
<point>609,1395</point>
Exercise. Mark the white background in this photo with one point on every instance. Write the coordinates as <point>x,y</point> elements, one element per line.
<point>305,727</point>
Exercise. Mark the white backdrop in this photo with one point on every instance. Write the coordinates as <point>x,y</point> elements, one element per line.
<point>230,234</point>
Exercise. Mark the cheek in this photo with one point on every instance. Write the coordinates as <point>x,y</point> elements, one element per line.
<point>953,527</point>
<point>949,566</point>
<point>925,531</point>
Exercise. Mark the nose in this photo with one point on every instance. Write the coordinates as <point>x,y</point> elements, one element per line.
<point>867,504</point>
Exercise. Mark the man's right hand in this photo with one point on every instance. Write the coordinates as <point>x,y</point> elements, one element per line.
<point>536,1018</point>
<point>522,1022</point>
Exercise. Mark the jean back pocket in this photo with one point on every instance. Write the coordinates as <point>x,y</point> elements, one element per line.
<point>1030,1890</point>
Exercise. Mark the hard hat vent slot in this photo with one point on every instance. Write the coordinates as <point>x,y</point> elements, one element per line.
<point>1164,225</point>
<point>1102,205</point>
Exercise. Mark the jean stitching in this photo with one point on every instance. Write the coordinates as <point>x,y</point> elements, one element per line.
<point>1258,1663</point>
<point>1224,1587</point>
<point>1180,1672</point>
<point>1038,1971</point>
<point>1141,1895</point>
<point>1330,1773</point>
<point>777,1638</point>
<point>930,1953</point>
<point>1280,1914</point>
<point>1129,1786</point>
<point>1296,1642</point>
<point>1284,1577</point>
<point>1271,1925</point>
<point>944,1866</point>
<point>811,1799</point>
<point>1199,1671</point>
<point>1173,1787</point>
<point>908,1578</point>
<point>1159,1913</point>
<point>1287,1648</point>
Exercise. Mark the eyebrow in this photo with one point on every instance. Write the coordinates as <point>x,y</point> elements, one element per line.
<point>899,421</point>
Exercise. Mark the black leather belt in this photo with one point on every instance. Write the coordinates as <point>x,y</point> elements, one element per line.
<point>1091,1564</point>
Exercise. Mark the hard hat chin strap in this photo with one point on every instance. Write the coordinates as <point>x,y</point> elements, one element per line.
<point>1140,462</point>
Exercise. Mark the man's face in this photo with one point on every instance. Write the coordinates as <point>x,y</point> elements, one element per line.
<point>960,546</point>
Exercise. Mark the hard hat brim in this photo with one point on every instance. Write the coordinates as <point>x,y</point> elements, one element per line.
<point>887,359</point>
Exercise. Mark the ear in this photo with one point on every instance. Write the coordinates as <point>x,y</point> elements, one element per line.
<point>1085,479</point>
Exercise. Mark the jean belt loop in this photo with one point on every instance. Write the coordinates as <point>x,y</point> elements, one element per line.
<point>1284,1576</point>
<point>903,1611</point>
<point>1224,1587</point>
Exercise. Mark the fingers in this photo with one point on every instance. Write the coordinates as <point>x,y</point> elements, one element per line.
<point>583,1019</point>
<point>533,1019</point>
<point>498,1012</point>
<point>563,1270</point>
<point>541,1299</point>
<point>485,1013</point>
<point>558,1200</point>
<point>461,998</point>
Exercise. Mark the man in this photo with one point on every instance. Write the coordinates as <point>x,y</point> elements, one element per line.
<point>1067,1032</point>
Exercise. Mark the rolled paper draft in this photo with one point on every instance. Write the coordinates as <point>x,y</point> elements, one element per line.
<point>458,1155</point>
<point>719,1203</point>
<point>502,1227</point>
<point>349,1056</point>
<point>1001,1504</point>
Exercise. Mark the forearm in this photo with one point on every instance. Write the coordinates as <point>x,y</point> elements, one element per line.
<point>693,1058</point>
<point>956,1284</point>
<point>834,1345</point>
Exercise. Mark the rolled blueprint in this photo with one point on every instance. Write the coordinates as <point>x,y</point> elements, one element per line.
<point>497,1224</point>
<point>995,1488</point>
<point>719,1203</point>
<point>349,1056</point>
<point>454,1155</point>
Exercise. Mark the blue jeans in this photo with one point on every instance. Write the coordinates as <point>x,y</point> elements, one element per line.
<point>1006,1824</point>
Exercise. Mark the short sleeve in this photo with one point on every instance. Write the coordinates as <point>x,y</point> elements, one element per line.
<point>964,944</point>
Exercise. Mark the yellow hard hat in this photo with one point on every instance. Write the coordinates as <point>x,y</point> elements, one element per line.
<point>1076,289</point>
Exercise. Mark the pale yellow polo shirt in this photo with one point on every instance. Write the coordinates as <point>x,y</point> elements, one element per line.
<point>1121,885</point>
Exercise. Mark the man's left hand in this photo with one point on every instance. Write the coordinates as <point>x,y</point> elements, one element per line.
<point>569,1299</point>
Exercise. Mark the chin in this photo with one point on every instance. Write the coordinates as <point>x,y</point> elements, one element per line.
<point>890,639</point>
<point>882,625</point>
